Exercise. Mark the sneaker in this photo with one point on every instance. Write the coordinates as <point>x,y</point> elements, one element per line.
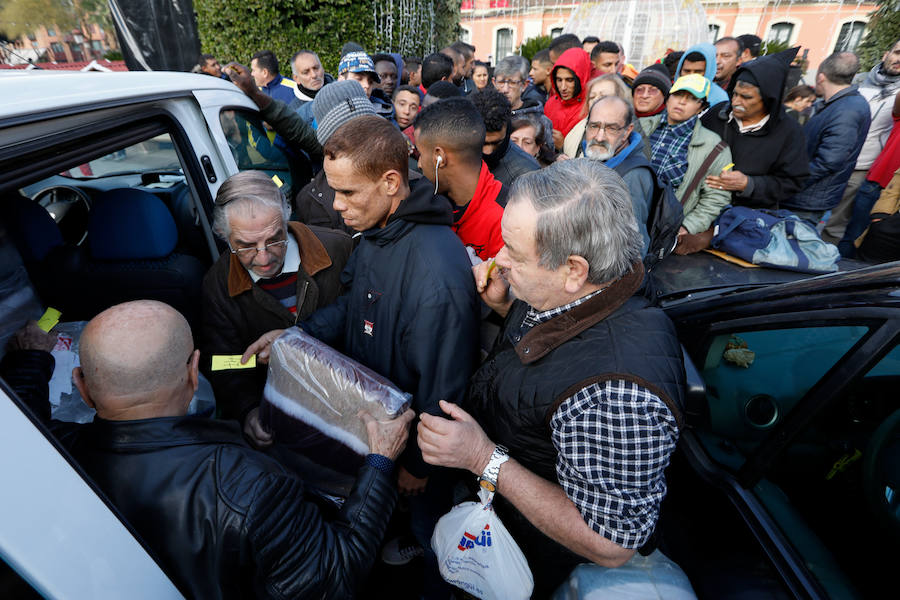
<point>400,551</point>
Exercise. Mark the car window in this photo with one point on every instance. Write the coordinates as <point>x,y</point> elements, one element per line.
<point>824,497</point>
<point>157,154</point>
<point>754,378</point>
<point>256,148</point>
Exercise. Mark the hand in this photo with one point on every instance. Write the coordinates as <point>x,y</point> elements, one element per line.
<point>458,443</point>
<point>410,485</point>
<point>562,157</point>
<point>254,430</point>
<point>731,181</point>
<point>494,290</point>
<point>690,243</point>
<point>32,337</point>
<point>387,438</point>
<point>261,347</point>
<point>558,139</point>
<point>240,76</point>
<point>682,231</point>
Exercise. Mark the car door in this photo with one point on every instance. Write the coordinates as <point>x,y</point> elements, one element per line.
<point>797,381</point>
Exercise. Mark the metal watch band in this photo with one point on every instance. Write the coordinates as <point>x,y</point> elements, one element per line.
<point>488,479</point>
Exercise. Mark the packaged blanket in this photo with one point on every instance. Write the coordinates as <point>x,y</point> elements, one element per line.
<point>312,396</point>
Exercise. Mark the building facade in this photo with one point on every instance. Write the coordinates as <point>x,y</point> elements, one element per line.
<point>50,44</point>
<point>497,27</point>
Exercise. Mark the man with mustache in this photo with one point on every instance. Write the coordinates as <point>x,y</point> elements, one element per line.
<point>609,137</point>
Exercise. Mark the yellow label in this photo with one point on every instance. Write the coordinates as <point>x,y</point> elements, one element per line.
<point>49,320</point>
<point>223,362</point>
<point>728,167</point>
<point>277,180</point>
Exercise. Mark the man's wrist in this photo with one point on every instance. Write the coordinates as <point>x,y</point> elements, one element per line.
<point>381,463</point>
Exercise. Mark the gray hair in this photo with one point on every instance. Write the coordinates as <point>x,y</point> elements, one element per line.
<point>584,209</point>
<point>513,65</point>
<point>630,117</point>
<point>300,53</point>
<point>242,192</point>
<point>840,67</point>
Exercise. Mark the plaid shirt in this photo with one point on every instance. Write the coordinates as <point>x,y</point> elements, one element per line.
<point>669,148</point>
<point>614,440</point>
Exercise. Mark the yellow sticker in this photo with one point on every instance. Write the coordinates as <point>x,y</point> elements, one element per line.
<point>49,320</point>
<point>223,362</point>
<point>728,167</point>
<point>277,180</point>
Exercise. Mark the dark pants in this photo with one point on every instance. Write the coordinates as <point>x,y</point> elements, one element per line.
<point>866,197</point>
<point>425,510</point>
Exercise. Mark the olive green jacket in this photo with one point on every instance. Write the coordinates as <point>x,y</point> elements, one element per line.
<point>704,203</point>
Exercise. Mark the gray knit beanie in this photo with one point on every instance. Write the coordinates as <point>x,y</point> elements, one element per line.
<point>337,103</point>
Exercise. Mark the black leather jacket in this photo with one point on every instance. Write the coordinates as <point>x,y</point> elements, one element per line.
<point>225,520</point>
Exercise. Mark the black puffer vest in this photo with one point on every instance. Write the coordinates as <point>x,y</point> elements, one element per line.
<point>612,336</point>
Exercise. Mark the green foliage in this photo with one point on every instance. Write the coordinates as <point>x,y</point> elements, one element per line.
<point>532,46</point>
<point>21,17</point>
<point>883,32</point>
<point>772,47</point>
<point>235,29</point>
<point>113,55</point>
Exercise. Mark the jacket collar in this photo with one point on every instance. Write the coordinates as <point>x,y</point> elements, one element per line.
<point>545,337</point>
<point>162,432</point>
<point>313,258</point>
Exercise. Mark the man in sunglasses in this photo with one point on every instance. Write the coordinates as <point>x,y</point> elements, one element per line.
<point>278,272</point>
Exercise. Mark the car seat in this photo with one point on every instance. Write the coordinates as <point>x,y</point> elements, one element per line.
<point>132,238</point>
<point>53,266</point>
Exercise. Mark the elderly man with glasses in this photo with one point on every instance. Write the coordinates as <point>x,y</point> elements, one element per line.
<point>278,272</point>
<point>610,137</point>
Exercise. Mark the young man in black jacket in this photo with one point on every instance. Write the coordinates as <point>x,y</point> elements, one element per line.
<point>410,312</point>
<point>225,520</point>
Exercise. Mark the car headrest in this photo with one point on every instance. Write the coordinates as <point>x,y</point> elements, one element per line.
<point>33,230</point>
<point>130,224</point>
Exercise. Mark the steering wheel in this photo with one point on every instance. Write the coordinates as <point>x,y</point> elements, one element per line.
<point>881,473</point>
<point>70,207</point>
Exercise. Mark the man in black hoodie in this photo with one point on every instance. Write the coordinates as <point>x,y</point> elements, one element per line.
<point>769,151</point>
<point>505,160</point>
<point>410,312</point>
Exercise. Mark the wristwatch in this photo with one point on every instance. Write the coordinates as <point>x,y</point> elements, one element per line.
<point>488,479</point>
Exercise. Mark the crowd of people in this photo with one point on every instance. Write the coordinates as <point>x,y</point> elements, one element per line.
<point>449,201</point>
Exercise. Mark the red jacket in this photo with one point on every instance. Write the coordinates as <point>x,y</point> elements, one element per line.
<point>566,113</point>
<point>479,227</point>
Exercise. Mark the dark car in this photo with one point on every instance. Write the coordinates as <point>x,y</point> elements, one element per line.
<point>786,479</point>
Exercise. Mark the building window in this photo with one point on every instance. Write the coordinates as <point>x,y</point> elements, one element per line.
<point>781,33</point>
<point>850,36</point>
<point>714,33</point>
<point>504,43</point>
<point>556,32</point>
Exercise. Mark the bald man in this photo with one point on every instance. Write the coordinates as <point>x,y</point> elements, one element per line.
<point>225,520</point>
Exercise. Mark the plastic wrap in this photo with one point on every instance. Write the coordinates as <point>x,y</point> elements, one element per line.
<point>313,394</point>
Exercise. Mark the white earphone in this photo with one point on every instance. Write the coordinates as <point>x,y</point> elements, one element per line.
<point>440,159</point>
<point>437,164</point>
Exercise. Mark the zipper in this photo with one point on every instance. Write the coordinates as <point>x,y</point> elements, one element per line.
<point>300,297</point>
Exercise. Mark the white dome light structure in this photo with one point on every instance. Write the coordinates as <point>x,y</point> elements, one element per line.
<point>645,28</point>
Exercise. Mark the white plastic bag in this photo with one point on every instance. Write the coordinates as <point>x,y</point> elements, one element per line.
<point>476,553</point>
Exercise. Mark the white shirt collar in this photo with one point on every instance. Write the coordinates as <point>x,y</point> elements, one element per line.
<point>291,259</point>
<point>749,128</point>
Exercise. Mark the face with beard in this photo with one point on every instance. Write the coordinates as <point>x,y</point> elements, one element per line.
<point>891,60</point>
<point>605,133</point>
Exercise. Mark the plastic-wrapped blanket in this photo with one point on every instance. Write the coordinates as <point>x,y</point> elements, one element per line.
<point>313,394</point>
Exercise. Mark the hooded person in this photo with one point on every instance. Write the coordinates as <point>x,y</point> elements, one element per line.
<point>767,147</point>
<point>568,90</point>
<point>716,94</point>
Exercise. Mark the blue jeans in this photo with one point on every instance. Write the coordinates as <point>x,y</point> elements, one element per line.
<point>866,197</point>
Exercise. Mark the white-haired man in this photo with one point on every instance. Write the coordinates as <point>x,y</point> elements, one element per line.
<point>580,397</point>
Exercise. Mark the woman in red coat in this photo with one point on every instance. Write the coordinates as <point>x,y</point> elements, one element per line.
<point>568,81</point>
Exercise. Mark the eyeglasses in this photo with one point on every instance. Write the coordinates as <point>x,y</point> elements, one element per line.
<point>252,251</point>
<point>595,127</point>
<point>507,82</point>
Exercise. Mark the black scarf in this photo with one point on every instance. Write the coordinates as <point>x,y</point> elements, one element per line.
<point>493,159</point>
<point>308,92</point>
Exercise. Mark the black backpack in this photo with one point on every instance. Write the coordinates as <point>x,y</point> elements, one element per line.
<point>663,223</point>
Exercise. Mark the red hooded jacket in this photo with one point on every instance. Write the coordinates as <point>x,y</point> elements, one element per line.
<point>566,113</point>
